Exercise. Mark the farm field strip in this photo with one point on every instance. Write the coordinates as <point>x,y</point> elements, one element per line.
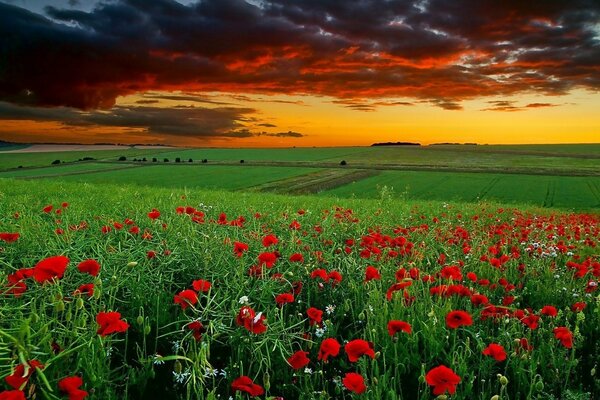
<point>577,192</point>
<point>179,176</point>
<point>62,170</point>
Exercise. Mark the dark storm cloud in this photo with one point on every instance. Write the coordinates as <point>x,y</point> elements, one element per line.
<point>193,122</point>
<point>437,50</point>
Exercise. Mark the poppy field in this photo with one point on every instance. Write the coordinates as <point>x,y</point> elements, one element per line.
<point>123,292</point>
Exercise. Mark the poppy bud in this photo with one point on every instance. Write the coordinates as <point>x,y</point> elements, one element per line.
<point>375,381</point>
<point>593,371</point>
<point>59,306</point>
<point>361,316</point>
<point>140,320</point>
<point>177,368</point>
<point>503,380</point>
<point>346,306</point>
<point>495,397</point>
<point>132,264</point>
<point>79,303</point>
<point>34,318</point>
<point>441,397</point>
<point>147,330</point>
<point>539,385</point>
<point>82,322</point>
<point>69,315</point>
<point>377,354</point>
<point>266,381</point>
<point>114,280</point>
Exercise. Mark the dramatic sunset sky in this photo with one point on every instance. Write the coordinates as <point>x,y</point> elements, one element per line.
<point>299,72</point>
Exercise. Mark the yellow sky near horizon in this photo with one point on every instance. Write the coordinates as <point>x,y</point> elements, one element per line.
<point>573,118</point>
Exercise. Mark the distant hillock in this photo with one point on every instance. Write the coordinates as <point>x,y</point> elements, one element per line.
<point>395,144</point>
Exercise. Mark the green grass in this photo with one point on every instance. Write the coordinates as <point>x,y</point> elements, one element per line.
<point>192,176</point>
<point>58,170</point>
<point>556,191</point>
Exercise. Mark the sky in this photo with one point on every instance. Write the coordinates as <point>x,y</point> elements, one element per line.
<point>282,73</point>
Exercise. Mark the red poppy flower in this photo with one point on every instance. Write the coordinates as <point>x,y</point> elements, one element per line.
<point>185,298</point>
<point>335,277</point>
<point>315,315</point>
<point>70,386</point>
<point>299,359</point>
<point>297,257</point>
<point>48,208</point>
<point>354,382</point>
<point>358,347</point>
<point>550,311</point>
<point>12,395</point>
<point>396,287</point>
<point>372,273</point>
<point>295,225</point>
<point>197,329</point>
<point>50,268</point>
<point>320,273</point>
<point>454,319</point>
<point>479,299</point>
<point>267,259</point>
<point>201,285</point>
<point>151,254</point>
<point>329,347</point>
<point>578,307</point>
<point>256,324</point>
<point>284,298</point>
<point>18,378</point>
<point>87,288</point>
<point>269,240</point>
<point>496,351</point>
<point>531,321</point>
<point>396,326</point>
<point>134,230</point>
<point>245,384</point>
<point>564,335</point>
<point>91,267</point>
<point>442,378</point>
<point>154,214</point>
<point>110,322</point>
<point>105,229</point>
<point>239,248</point>
<point>9,237</point>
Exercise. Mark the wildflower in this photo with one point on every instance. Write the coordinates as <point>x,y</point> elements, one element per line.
<point>91,267</point>
<point>239,248</point>
<point>269,240</point>
<point>329,347</point>
<point>158,359</point>
<point>284,298</point>
<point>315,315</point>
<point>154,214</point>
<point>243,300</point>
<point>396,326</point>
<point>496,351</point>
<point>564,335</point>
<point>110,322</point>
<point>372,273</point>
<point>354,382</point>
<point>19,377</point>
<point>197,329</point>
<point>87,288</point>
<point>454,319</point>
<point>549,311</point>
<point>71,386</point>
<point>50,268</point>
<point>12,395</point>
<point>330,309</point>
<point>9,237</point>
<point>358,347</point>
<point>185,298</point>
<point>245,384</point>
<point>442,379</point>
<point>299,359</point>
<point>201,285</point>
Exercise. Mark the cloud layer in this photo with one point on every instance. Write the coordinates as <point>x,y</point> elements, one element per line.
<point>436,51</point>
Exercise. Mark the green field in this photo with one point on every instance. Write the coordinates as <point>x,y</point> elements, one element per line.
<point>42,159</point>
<point>564,176</point>
<point>547,191</point>
<point>60,170</point>
<point>197,176</point>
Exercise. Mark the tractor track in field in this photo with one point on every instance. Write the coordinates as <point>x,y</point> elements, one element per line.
<point>595,190</point>
<point>550,193</point>
<point>314,182</point>
<point>486,189</point>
